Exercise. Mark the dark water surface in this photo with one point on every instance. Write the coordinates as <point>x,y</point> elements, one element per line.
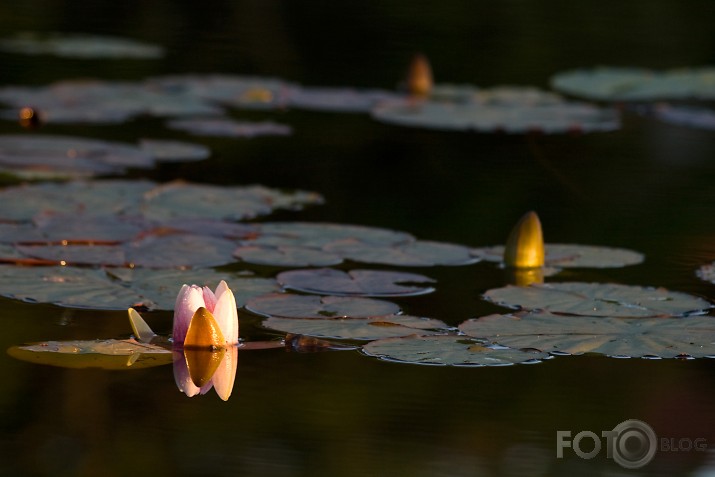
<point>647,187</point>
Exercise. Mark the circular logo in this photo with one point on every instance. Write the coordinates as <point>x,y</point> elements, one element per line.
<point>634,444</point>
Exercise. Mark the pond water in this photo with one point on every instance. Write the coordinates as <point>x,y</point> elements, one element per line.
<point>646,187</point>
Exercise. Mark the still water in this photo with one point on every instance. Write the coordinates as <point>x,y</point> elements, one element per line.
<point>646,187</point>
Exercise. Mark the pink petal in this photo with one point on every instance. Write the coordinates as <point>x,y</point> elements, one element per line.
<point>209,299</point>
<point>182,377</point>
<point>189,300</point>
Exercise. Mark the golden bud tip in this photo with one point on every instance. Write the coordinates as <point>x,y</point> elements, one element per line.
<point>204,332</point>
<point>419,76</point>
<point>525,245</point>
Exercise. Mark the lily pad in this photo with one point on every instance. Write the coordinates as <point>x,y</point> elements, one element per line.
<point>573,256</point>
<point>250,92</point>
<point>96,101</point>
<point>301,306</point>
<point>82,46</point>
<point>229,128</point>
<point>119,288</point>
<point>178,199</point>
<point>75,157</point>
<point>636,84</point>
<point>317,235</point>
<point>286,256</point>
<point>599,299</point>
<point>689,116</point>
<point>368,283</point>
<point>174,151</point>
<point>511,110</point>
<point>415,253</point>
<point>357,328</point>
<point>632,337</point>
<point>104,354</point>
<point>447,350</point>
<point>345,100</point>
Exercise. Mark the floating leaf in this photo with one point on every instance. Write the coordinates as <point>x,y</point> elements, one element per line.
<point>230,90</point>
<point>229,128</point>
<point>300,306</point>
<point>511,110</point>
<point>286,256</point>
<point>357,328</point>
<point>449,350</point>
<point>414,253</point>
<point>82,46</point>
<point>696,117</point>
<point>119,289</point>
<point>105,354</point>
<point>635,84</point>
<point>376,283</point>
<point>66,156</point>
<point>95,101</point>
<point>317,235</point>
<point>599,299</point>
<point>183,200</point>
<point>346,100</point>
<point>573,256</point>
<point>174,151</point>
<point>633,337</point>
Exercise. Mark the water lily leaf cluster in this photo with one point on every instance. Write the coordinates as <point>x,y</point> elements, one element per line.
<point>201,102</point>
<point>83,46</point>
<point>620,337</point>
<point>599,299</point>
<point>637,84</point>
<point>42,156</point>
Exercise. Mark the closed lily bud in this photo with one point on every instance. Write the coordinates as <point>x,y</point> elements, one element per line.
<point>525,245</point>
<point>218,313</point>
<point>419,76</point>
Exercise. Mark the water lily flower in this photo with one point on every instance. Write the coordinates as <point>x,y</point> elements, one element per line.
<point>205,339</point>
<point>205,319</point>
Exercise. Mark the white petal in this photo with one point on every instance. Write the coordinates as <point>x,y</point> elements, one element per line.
<point>226,316</point>
<point>225,376</point>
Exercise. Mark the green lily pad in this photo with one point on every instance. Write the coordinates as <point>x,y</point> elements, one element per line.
<point>95,101</point>
<point>174,151</point>
<point>182,200</point>
<point>75,157</point>
<point>357,328</point>
<point>635,84</point>
<point>159,288</point>
<point>511,110</point>
<point>301,306</point>
<point>68,286</point>
<point>599,299</point>
<point>573,256</point>
<point>447,350</point>
<point>689,116</point>
<point>317,235</point>
<point>120,288</point>
<point>367,283</point>
<point>344,100</point>
<point>631,337</point>
<point>414,253</point>
<point>286,256</point>
<point>247,92</point>
<point>104,354</point>
<point>82,46</point>
<point>229,128</point>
